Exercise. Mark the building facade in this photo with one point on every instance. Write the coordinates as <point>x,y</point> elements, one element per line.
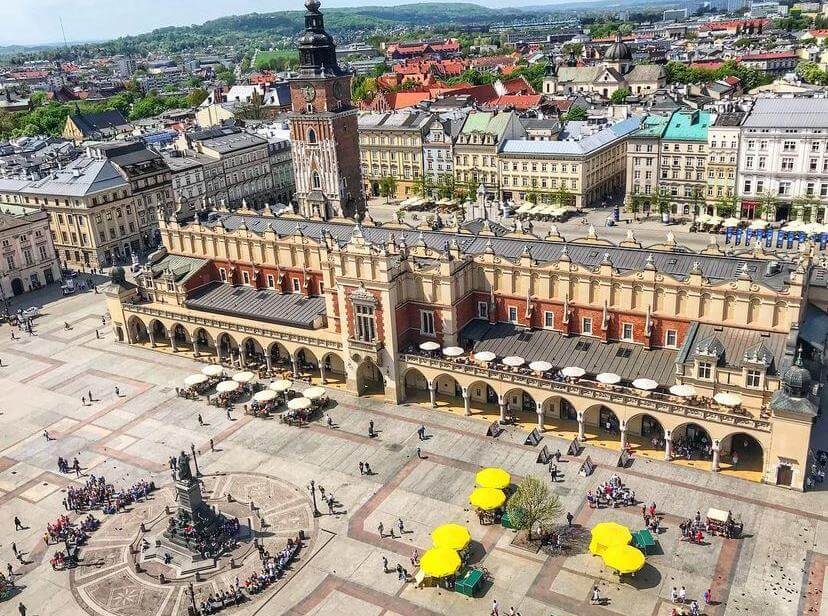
<point>477,146</point>
<point>27,255</point>
<point>683,165</point>
<point>722,165</point>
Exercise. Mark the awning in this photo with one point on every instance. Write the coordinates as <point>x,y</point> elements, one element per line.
<point>227,386</point>
<point>298,404</point>
<point>487,498</point>
<point>281,385</point>
<point>429,345</point>
<point>195,379</point>
<point>573,372</point>
<point>513,361</point>
<point>645,384</point>
<point>314,393</point>
<point>485,356</point>
<point>213,370</point>
<point>608,378</point>
<point>266,395</point>
<point>728,399</point>
<point>244,377</point>
<point>453,351</point>
<point>683,391</point>
<point>540,366</point>
<point>608,534</point>
<point>623,558</point>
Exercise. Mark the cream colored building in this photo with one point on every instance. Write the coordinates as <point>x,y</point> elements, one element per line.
<point>683,166</point>
<point>27,254</point>
<point>643,158</point>
<point>477,149</point>
<point>722,163</point>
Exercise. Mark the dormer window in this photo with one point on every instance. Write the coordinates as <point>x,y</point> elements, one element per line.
<point>704,370</point>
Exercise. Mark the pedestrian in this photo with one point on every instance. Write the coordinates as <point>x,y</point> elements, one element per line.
<point>694,608</point>
<point>495,610</point>
<point>46,435</point>
<point>21,608</point>
<point>97,335</point>
<point>674,595</point>
<point>321,490</point>
<point>419,453</point>
<point>569,518</point>
<point>401,526</point>
<point>14,550</point>
<point>361,468</point>
<point>211,445</point>
<point>384,564</point>
<point>117,392</point>
<point>17,524</point>
<point>65,505</point>
<point>682,596</point>
<point>330,503</point>
<point>415,558</point>
<point>368,470</point>
<point>422,432</point>
<point>329,421</point>
<point>76,467</point>
<point>596,596</point>
<point>13,336</point>
<point>708,597</point>
<point>90,396</point>
<point>399,571</point>
<point>228,414</point>
<point>200,420</point>
<point>381,528</point>
<point>103,319</point>
<point>735,459</point>
<point>371,428</point>
<point>83,400</point>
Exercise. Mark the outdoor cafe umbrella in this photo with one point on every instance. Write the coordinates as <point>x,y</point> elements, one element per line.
<point>683,391</point>
<point>608,378</point>
<point>731,222</point>
<point>244,377</point>
<point>606,535</point>
<point>225,387</point>
<point>714,220</point>
<point>281,385</point>
<point>314,393</point>
<point>453,351</point>
<point>195,379</point>
<point>213,370</point>
<point>485,356</point>
<point>623,558</point>
<point>429,345</point>
<point>727,399</point>
<point>645,384</point>
<point>451,536</point>
<point>266,395</point>
<point>298,404</point>
<point>493,477</point>
<point>513,361</point>
<point>703,219</point>
<point>573,372</point>
<point>794,225</point>
<point>440,562</point>
<point>540,366</point>
<point>758,224</point>
<point>487,498</point>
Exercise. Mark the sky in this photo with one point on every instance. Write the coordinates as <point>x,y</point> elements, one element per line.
<point>31,22</point>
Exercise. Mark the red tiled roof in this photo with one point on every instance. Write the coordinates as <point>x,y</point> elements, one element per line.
<point>822,33</point>
<point>715,26</point>
<point>516,101</point>
<point>732,80</point>
<point>770,55</point>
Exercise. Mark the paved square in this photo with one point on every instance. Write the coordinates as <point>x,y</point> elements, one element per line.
<point>779,567</point>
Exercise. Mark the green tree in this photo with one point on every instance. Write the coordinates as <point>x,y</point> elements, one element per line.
<point>245,65</point>
<point>533,503</point>
<point>388,187</point>
<point>196,97</point>
<point>227,77</point>
<point>620,95</point>
<point>576,112</point>
<point>36,99</point>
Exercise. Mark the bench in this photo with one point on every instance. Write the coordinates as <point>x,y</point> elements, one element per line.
<point>644,540</point>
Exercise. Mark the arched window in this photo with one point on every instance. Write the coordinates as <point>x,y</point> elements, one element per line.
<point>729,311</point>
<point>637,297</point>
<point>681,302</point>
<point>311,136</point>
<point>316,181</point>
<point>704,305</point>
<point>754,308</point>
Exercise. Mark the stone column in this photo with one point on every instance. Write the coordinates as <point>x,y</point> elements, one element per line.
<point>623,434</point>
<point>715,465</point>
<point>172,343</point>
<point>323,372</point>
<point>242,359</point>
<point>195,348</point>
<point>432,393</point>
<point>540,419</point>
<point>581,435</point>
<point>467,401</point>
<point>668,446</point>
<point>501,402</point>
<point>294,364</point>
<point>151,337</point>
<point>269,362</point>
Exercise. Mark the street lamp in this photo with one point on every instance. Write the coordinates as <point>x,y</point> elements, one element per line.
<point>195,460</point>
<point>312,490</point>
<point>191,592</point>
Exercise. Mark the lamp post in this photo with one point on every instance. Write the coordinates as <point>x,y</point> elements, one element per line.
<point>312,490</point>
<point>195,460</point>
<point>191,592</point>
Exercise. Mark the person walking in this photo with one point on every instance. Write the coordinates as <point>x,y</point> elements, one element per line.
<point>495,608</point>
<point>21,608</point>
<point>682,596</point>
<point>708,596</point>
<point>117,392</point>
<point>90,396</point>
<point>212,448</point>
<point>18,525</point>
<point>83,400</point>
<point>228,414</point>
<point>384,564</point>
<point>368,470</point>
<point>674,595</point>
<point>401,526</point>
<point>200,420</point>
<point>569,518</point>
<point>76,467</point>
<point>329,421</point>
<point>595,599</point>
<point>381,530</point>
<point>46,436</point>
<point>97,335</point>
<point>14,551</point>
<point>361,468</point>
<point>371,428</point>
<point>419,454</point>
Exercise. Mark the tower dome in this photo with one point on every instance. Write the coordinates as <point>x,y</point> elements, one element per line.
<point>796,380</point>
<point>619,51</point>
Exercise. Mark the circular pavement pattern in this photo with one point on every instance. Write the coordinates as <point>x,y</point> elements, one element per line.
<point>108,584</point>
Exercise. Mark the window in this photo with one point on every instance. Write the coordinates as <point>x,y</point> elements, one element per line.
<point>788,146</point>
<point>296,285</point>
<point>316,180</point>
<point>586,326</point>
<point>427,322</point>
<point>671,338</point>
<point>626,331</point>
<point>10,261</point>
<point>549,319</point>
<point>223,274</point>
<point>311,136</point>
<point>513,314</point>
<point>365,325</point>
<point>704,371</point>
<point>271,283</point>
<point>753,378</point>
<point>482,310</point>
<point>246,277</point>
<point>787,164</point>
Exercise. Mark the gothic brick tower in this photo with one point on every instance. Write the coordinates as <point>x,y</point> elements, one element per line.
<point>323,128</point>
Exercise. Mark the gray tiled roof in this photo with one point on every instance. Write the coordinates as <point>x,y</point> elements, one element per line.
<point>181,267</point>
<point>814,328</point>
<point>676,264</point>
<point>80,177</point>
<point>788,113</point>
<point>576,147</point>
<point>261,304</point>
<point>735,342</point>
<point>629,361</point>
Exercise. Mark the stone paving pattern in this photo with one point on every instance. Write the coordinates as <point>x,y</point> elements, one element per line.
<point>778,568</point>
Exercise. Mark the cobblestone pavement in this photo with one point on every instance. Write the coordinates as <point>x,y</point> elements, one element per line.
<point>778,568</point>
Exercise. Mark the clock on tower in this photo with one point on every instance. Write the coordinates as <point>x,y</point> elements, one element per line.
<point>323,128</point>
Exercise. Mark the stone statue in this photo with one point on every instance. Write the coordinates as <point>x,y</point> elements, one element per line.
<point>184,472</point>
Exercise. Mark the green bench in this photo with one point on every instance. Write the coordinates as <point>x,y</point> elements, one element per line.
<point>644,540</point>
<point>469,582</point>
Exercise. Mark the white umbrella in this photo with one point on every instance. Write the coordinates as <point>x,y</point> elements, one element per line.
<point>731,222</point>
<point>703,219</point>
<point>794,225</point>
<point>227,386</point>
<point>244,377</point>
<point>573,372</point>
<point>266,395</point>
<point>513,361</point>
<point>298,404</point>
<point>758,224</point>
<point>812,228</point>
<point>485,356</point>
<point>683,391</point>
<point>453,351</point>
<point>608,378</point>
<point>314,393</point>
<point>645,384</point>
<point>213,370</point>
<point>281,385</point>
<point>429,346</point>
<point>195,379</point>
<point>540,366</point>
<point>726,399</point>
<point>714,220</point>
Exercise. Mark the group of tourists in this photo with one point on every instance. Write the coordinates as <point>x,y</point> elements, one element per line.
<point>220,600</point>
<point>211,542</point>
<point>272,566</point>
<point>98,494</point>
<point>699,448</point>
<point>63,464</point>
<point>817,474</point>
<point>612,493</point>
<point>71,535</point>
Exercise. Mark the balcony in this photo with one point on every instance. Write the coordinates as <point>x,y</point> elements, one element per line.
<point>586,389</point>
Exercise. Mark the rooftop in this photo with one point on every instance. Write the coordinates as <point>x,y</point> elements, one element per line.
<point>573,142</point>
<point>788,113</point>
<point>688,126</point>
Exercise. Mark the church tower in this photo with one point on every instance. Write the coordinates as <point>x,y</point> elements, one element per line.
<point>323,128</point>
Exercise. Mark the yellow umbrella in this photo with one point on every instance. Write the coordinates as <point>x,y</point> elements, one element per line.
<point>451,536</point>
<point>493,478</point>
<point>623,558</point>
<point>487,498</point>
<point>440,562</point>
<point>608,534</point>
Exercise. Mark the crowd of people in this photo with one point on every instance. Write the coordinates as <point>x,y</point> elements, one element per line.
<point>699,448</point>
<point>817,474</point>
<point>220,600</point>
<point>209,540</point>
<point>612,493</point>
<point>272,566</point>
<point>72,535</point>
<point>98,494</point>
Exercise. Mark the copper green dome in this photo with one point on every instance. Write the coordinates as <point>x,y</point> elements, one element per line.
<point>619,51</point>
